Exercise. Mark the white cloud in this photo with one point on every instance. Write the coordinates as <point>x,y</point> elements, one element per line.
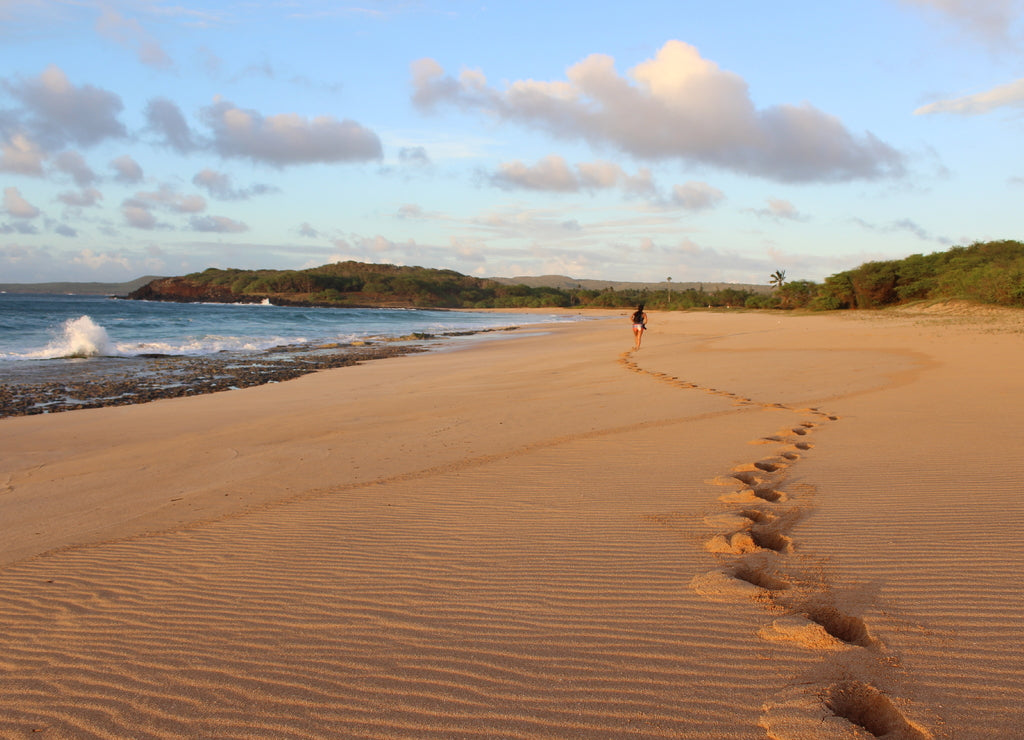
<point>1010,94</point>
<point>554,174</point>
<point>15,205</point>
<point>128,170</point>
<point>72,163</point>
<point>60,113</point>
<point>138,210</point>
<point>215,182</point>
<point>779,209</point>
<point>220,186</point>
<point>19,227</point>
<point>168,199</point>
<point>164,117</point>
<point>218,224</point>
<point>85,198</point>
<point>138,216</point>
<point>550,173</point>
<point>992,21</point>
<point>21,155</point>
<point>539,225</point>
<point>280,140</point>
<point>696,196</point>
<point>600,174</point>
<point>99,260</point>
<point>129,33</point>
<point>675,106</point>
<point>410,211</point>
<point>287,138</point>
<point>414,155</point>
<point>904,225</point>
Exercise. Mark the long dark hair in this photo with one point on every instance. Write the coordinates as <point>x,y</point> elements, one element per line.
<point>638,316</point>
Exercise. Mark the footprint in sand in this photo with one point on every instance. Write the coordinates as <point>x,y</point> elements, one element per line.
<point>753,482</point>
<point>753,540</point>
<point>759,573</point>
<point>865,706</point>
<point>754,495</point>
<point>753,577</point>
<point>842,711</point>
<point>751,530</point>
<point>820,627</point>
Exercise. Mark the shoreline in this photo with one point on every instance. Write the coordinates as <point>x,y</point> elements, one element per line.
<point>72,384</point>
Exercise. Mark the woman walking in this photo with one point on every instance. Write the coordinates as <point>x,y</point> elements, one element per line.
<point>639,325</point>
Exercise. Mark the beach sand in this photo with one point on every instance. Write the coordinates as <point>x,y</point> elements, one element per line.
<point>756,526</point>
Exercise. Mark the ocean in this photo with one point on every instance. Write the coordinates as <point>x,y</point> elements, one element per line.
<point>77,345</point>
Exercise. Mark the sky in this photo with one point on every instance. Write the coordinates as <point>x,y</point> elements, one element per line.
<point>642,141</point>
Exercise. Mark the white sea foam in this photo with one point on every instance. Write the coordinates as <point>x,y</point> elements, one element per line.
<point>81,337</point>
<point>207,345</point>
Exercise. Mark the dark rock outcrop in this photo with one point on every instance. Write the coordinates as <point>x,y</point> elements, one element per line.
<point>183,290</point>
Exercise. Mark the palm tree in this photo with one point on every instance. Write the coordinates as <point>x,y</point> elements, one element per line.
<point>778,278</point>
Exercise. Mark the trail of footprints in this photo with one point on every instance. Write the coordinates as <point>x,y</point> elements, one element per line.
<point>751,539</point>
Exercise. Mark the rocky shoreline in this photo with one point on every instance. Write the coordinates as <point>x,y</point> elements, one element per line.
<point>100,382</point>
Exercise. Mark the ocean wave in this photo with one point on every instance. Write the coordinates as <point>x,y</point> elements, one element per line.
<point>80,337</point>
<point>57,327</point>
<point>83,337</point>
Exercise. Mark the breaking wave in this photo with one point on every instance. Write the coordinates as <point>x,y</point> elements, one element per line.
<point>81,337</point>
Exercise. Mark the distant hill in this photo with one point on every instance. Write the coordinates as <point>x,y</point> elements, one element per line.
<point>364,285</point>
<point>79,288</point>
<point>562,282</point>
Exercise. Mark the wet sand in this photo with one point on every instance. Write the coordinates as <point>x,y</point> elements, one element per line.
<point>757,525</point>
<point>52,386</point>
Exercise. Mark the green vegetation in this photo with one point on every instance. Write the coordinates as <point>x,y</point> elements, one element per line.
<point>357,284</point>
<point>984,272</point>
<point>989,272</point>
<point>361,284</point>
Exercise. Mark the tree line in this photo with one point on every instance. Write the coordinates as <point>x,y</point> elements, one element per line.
<point>985,272</point>
<point>363,284</point>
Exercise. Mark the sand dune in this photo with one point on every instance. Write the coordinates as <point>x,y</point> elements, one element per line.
<point>755,526</point>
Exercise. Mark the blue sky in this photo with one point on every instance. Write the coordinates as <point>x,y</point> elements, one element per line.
<point>639,141</point>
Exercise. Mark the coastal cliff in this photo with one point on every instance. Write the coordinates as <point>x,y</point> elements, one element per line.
<point>183,290</point>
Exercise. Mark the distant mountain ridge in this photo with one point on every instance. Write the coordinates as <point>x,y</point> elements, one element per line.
<point>79,288</point>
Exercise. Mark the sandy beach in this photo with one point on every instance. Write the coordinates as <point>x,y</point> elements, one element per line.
<point>758,525</point>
